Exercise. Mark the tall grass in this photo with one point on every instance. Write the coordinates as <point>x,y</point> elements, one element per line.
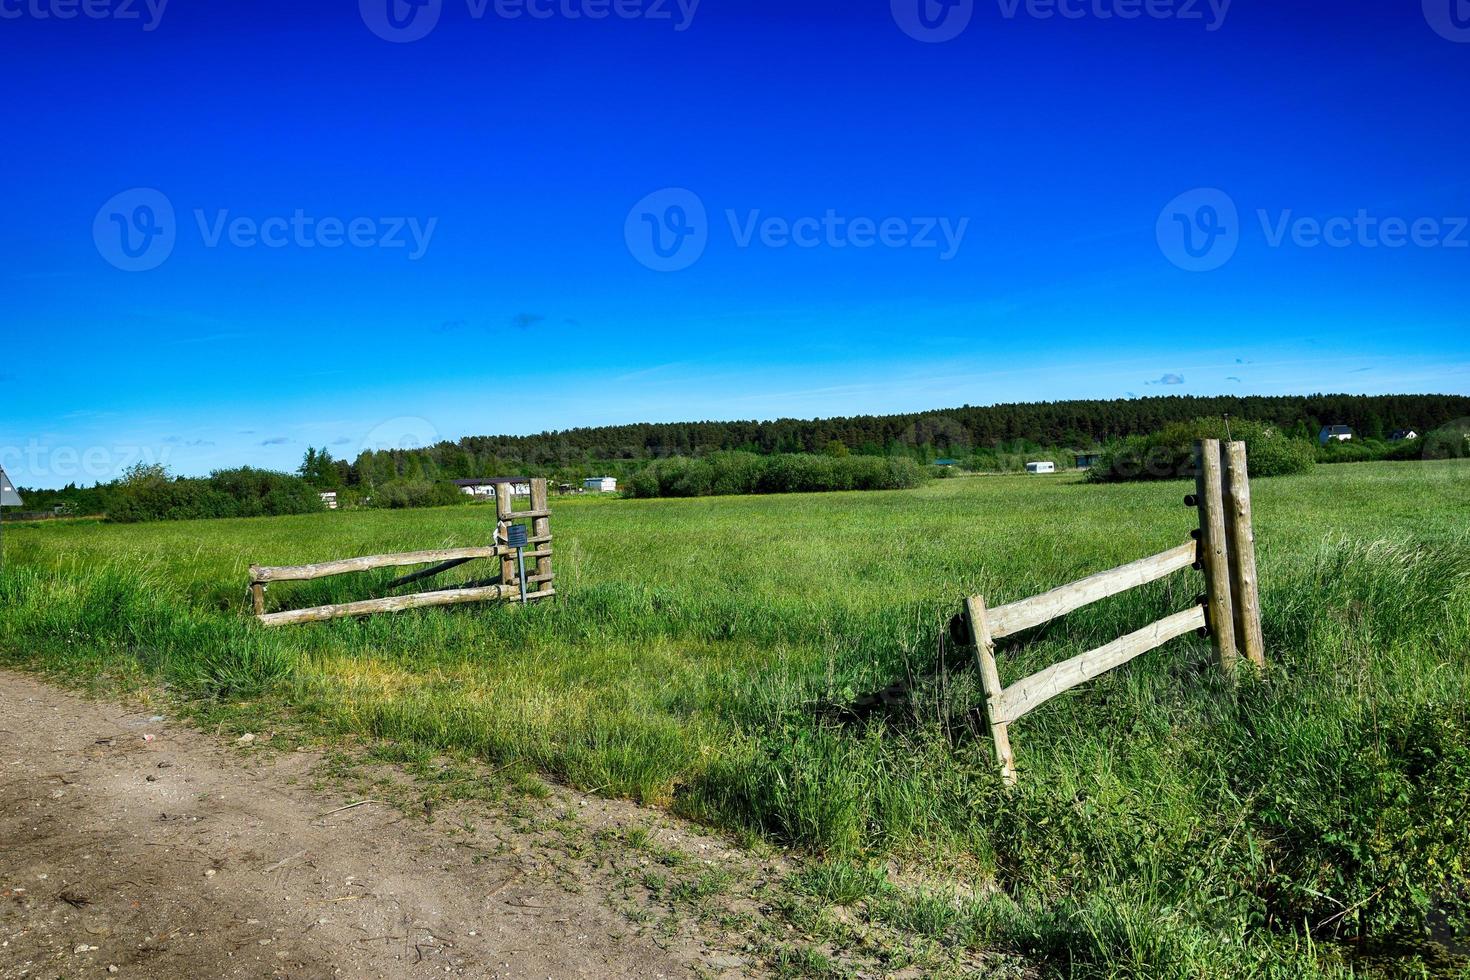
<point>780,665</point>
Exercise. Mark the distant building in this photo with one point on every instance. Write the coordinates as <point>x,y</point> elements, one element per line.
<point>488,486</point>
<point>1402,435</point>
<point>1042,467</point>
<point>1335,433</point>
<point>329,497</point>
<point>601,484</point>
<point>946,462</point>
<point>1086,461</point>
<point>8,496</point>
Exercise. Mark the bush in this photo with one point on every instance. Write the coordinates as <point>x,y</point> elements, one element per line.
<point>728,473</point>
<point>399,494</point>
<point>148,493</point>
<point>1447,442</point>
<point>1169,453</point>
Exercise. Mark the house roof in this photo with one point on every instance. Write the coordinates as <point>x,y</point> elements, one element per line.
<point>1338,430</point>
<point>485,481</point>
<point>8,496</point>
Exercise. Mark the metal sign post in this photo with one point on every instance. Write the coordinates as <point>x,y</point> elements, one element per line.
<point>8,498</point>
<point>516,536</point>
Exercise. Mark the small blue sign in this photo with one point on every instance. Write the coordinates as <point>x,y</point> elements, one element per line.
<point>516,535</point>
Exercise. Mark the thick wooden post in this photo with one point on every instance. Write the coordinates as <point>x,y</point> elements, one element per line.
<point>504,504</point>
<point>1214,551</point>
<point>257,595</point>
<point>1244,587</point>
<point>994,692</point>
<point>541,534</point>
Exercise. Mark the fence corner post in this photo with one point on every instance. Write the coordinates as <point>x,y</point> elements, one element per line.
<point>504,512</point>
<point>1244,584</point>
<point>1214,551</point>
<point>990,679</point>
<point>541,534</point>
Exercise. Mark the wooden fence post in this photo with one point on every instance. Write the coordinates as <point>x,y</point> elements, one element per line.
<point>1214,551</point>
<point>541,534</point>
<point>257,596</point>
<point>990,679</point>
<point>1244,586</point>
<point>504,505</point>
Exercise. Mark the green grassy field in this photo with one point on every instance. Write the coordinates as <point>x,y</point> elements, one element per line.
<point>714,656</point>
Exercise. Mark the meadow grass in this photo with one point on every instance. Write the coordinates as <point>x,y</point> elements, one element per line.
<point>716,656</point>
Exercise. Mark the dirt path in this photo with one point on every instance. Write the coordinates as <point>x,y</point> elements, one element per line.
<point>136,847</point>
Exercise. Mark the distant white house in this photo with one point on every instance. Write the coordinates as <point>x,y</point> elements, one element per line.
<point>1402,435</point>
<point>1335,433</point>
<point>329,497</point>
<point>601,484</point>
<point>487,487</point>
<point>1042,467</point>
<point>8,496</point>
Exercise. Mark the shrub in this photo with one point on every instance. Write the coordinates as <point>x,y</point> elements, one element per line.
<point>148,493</point>
<point>1169,453</point>
<point>399,494</point>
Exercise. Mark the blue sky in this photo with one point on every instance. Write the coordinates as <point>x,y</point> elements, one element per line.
<point>992,210</point>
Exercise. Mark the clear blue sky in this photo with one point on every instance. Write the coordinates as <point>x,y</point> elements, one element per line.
<point>520,146</point>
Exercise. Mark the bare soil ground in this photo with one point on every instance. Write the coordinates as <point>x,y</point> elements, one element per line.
<point>135,846</point>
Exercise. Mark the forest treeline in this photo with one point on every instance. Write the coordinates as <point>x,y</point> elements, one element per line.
<point>983,438</point>
<point>980,438</point>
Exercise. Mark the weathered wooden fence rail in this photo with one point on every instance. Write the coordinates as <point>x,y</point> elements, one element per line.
<point>507,587</point>
<point>1223,548</point>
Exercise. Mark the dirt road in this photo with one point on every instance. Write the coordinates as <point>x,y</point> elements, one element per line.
<point>131,846</point>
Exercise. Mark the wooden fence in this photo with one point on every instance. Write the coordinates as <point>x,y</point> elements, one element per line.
<point>1230,611</point>
<point>507,586</point>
